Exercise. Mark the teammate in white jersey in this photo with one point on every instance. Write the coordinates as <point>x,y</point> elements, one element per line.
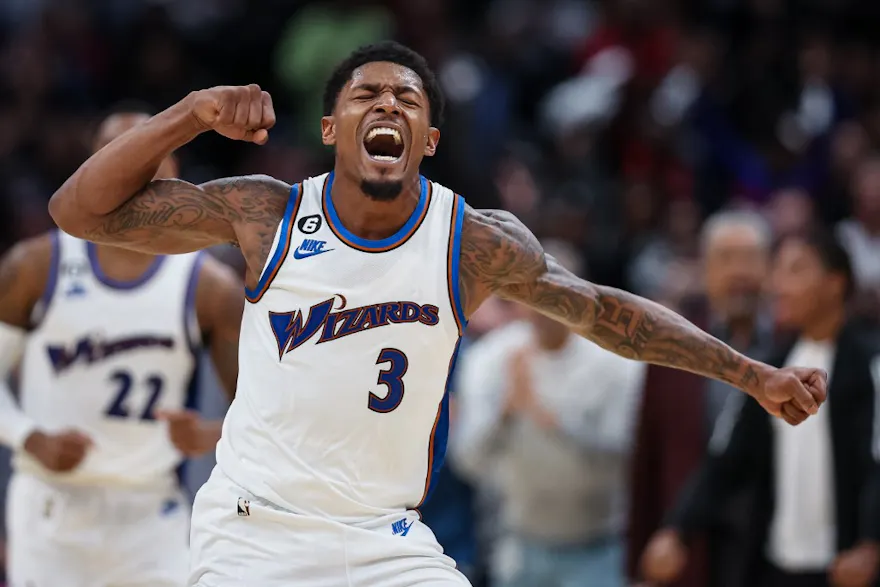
<point>108,341</point>
<point>360,283</point>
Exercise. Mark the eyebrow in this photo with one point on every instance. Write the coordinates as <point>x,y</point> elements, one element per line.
<point>376,88</point>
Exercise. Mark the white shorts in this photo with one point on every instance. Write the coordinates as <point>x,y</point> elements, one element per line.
<point>68,536</point>
<point>239,540</point>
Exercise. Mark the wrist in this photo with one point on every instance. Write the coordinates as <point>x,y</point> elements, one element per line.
<point>753,377</point>
<point>181,119</point>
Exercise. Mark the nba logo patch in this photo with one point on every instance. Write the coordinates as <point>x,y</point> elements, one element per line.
<point>244,507</point>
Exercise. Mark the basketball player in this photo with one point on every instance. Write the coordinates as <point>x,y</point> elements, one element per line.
<point>108,339</point>
<point>360,284</point>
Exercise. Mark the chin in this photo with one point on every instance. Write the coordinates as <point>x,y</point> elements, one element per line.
<point>382,190</point>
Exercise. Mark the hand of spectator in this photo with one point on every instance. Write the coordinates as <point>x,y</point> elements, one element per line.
<point>519,391</point>
<point>664,558</point>
<point>59,452</point>
<point>856,567</point>
<point>521,395</point>
<point>189,433</point>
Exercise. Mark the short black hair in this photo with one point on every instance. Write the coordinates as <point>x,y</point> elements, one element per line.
<point>831,253</point>
<point>392,52</point>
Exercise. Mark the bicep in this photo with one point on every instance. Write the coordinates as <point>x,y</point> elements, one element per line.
<point>167,216</point>
<point>170,216</point>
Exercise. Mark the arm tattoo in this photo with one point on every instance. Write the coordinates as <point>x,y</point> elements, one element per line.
<point>499,255</point>
<point>174,216</point>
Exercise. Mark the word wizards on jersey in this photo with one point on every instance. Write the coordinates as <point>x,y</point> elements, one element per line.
<point>346,349</point>
<point>105,357</point>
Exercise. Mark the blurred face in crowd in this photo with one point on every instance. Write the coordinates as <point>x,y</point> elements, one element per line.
<point>549,334</point>
<point>790,211</point>
<point>867,191</point>
<point>736,265</point>
<point>802,286</point>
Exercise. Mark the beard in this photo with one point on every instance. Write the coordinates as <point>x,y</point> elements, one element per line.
<point>381,191</point>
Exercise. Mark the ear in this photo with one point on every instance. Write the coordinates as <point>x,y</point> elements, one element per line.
<point>328,130</point>
<point>433,141</point>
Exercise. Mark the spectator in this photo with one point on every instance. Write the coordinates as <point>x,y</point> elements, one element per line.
<point>679,410</point>
<point>816,517</point>
<point>554,412</point>
<point>861,233</point>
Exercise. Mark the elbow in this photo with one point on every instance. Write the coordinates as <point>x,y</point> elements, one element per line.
<point>64,212</point>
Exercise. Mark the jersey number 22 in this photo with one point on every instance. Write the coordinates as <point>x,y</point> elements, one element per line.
<point>120,406</point>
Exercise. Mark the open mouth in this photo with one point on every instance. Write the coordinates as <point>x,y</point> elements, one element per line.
<point>384,144</point>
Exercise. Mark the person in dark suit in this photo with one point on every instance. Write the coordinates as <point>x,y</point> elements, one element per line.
<point>678,410</point>
<point>816,520</point>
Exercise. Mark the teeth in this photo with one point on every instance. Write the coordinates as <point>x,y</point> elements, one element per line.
<point>384,157</point>
<point>384,130</point>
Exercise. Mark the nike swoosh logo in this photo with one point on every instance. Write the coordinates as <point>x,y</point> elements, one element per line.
<point>297,254</point>
<point>406,529</point>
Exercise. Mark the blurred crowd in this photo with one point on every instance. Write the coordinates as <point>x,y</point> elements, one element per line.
<point>721,157</point>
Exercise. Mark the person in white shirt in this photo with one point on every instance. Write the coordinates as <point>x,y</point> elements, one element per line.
<point>556,414</point>
<point>817,515</point>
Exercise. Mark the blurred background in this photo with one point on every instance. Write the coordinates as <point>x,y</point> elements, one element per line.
<point>660,146</point>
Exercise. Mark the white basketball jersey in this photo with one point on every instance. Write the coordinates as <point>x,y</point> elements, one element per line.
<point>105,357</point>
<point>346,349</point>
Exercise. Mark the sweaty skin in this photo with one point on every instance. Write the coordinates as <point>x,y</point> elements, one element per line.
<point>111,199</point>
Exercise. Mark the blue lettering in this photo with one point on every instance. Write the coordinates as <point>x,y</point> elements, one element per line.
<point>292,329</point>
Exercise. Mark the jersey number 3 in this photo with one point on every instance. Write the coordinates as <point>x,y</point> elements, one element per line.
<point>120,407</point>
<point>392,378</point>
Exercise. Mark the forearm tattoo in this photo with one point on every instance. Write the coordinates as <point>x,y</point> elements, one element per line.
<point>501,256</point>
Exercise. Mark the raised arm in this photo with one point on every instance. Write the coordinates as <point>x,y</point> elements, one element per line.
<point>113,199</point>
<point>499,255</point>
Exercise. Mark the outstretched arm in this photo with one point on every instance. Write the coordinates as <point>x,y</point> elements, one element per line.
<point>113,199</point>
<point>499,255</point>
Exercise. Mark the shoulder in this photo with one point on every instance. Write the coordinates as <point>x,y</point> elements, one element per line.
<point>31,259</point>
<point>252,193</point>
<point>24,275</point>
<point>498,249</point>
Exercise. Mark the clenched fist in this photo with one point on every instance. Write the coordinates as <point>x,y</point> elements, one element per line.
<point>60,452</point>
<point>793,393</point>
<point>242,113</point>
<point>189,433</point>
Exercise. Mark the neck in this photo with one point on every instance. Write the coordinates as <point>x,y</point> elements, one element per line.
<point>123,264</point>
<point>826,325</point>
<point>369,218</point>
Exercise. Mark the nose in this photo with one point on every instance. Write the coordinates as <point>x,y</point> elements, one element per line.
<point>387,103</point>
